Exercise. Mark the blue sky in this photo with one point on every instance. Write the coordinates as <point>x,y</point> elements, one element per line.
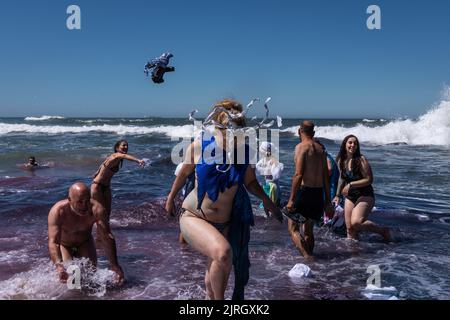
<point>314,58</point>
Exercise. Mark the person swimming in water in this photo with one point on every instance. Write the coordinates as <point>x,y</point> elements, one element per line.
<point>205,220</point>
<point>32,163</point>
<point>355,184</point>
<point>100,188</point>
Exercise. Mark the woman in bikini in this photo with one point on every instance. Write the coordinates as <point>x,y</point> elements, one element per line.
<point>207,209</point>
<point>100,188</point>
<point>355,184</point>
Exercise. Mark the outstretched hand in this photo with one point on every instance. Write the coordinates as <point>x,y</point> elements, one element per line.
<point>141,163</point>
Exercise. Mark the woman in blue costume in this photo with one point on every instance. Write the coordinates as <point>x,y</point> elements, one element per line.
<point>207,210</point>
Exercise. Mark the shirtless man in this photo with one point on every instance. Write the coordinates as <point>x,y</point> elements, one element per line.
<point>308,183</point>
<point>70,224</point>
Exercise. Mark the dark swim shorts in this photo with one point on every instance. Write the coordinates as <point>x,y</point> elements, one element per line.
<point>308,203</point>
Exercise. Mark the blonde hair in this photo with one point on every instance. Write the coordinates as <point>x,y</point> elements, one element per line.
<point>231,106</point>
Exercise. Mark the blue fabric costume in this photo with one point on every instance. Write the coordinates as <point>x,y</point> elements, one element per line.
<point>239,237</point>
<point>212,181</point>
<point>216,173</point>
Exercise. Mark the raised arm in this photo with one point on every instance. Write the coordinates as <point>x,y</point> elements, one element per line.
<point>185,171</point>
<point>252,185</point>
<point>131,158</point>
<point>107,239</point>
<point>54,242</point>
<point>299,159</point>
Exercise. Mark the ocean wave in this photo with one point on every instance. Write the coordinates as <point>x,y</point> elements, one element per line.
<point>170,131</point>
<point>432,128</point>
<point>90,121</point>
<point>42,118</point>
<point>42,283</point>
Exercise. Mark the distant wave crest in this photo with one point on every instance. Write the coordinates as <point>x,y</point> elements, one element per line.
<point>43,118</point>
<point>432,128</point>
<point>170,131</point>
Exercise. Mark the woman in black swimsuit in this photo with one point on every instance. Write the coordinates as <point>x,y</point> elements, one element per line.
<point>355,184</point>
<point>100,188</point>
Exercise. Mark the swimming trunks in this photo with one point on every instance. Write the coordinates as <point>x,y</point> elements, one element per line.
<point>309,202</point>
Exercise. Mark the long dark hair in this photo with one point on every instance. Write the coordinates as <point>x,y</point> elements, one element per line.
<point>342,156</point>
<point>118,143</point>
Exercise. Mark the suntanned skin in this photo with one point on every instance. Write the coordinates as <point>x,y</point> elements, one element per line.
<point>32,163</point>
<point>104,175</point>
<point>311,170</point>
<point>199,233</point>
<point>70,224</point>
<point>356,214</point>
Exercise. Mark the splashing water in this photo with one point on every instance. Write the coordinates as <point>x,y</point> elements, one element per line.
<point>432,128</point>
<point>41,282</point>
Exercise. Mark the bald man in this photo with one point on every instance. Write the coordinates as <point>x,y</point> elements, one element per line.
<point>70,224</point>
<point>309,184</point>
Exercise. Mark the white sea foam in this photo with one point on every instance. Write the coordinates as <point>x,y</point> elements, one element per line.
<point>41,282</point>
<point>171,131</point>
<point>42,118</point>
<point>372,292</point>
<point>432,128</point>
